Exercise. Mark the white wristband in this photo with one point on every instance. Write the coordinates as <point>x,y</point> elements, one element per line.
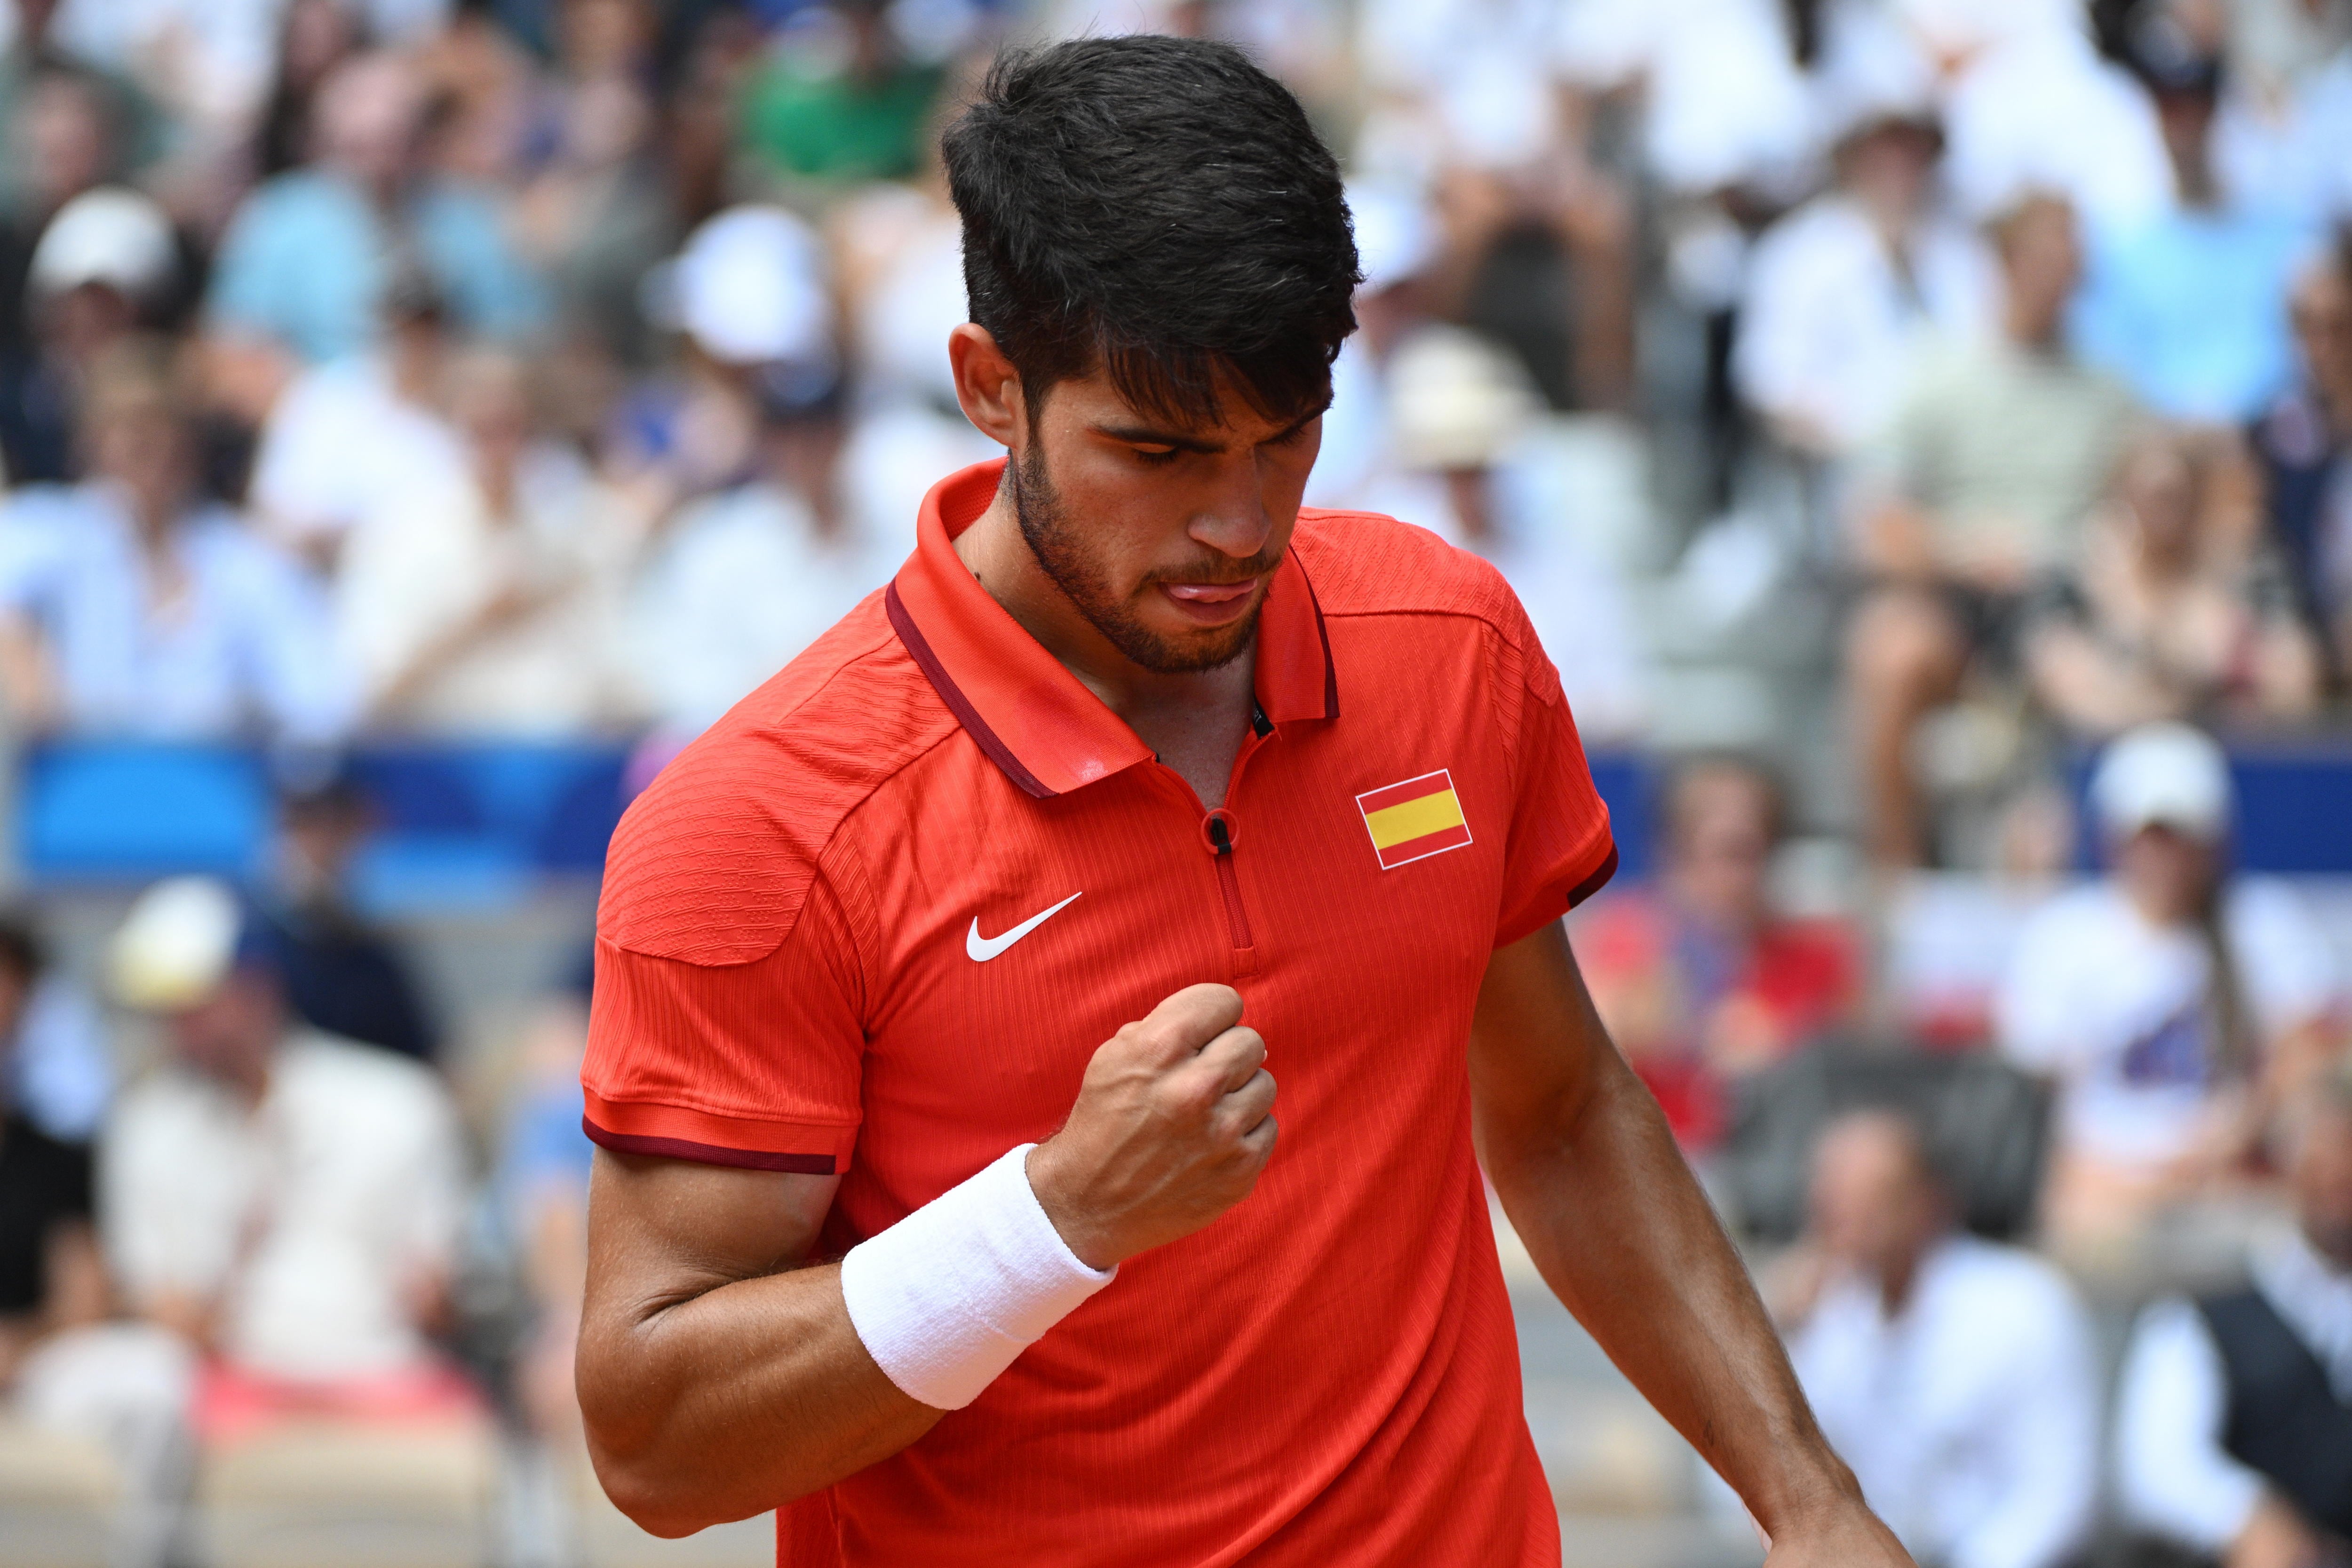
<point>950,1295</point>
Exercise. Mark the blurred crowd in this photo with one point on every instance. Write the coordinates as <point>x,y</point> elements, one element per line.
<point>556,370</point>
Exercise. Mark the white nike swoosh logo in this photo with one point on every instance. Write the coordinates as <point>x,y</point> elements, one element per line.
<point>984,948</point>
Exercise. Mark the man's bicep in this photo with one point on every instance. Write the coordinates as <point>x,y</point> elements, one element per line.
<point>1536,1046</point>
<point>662,1230</point>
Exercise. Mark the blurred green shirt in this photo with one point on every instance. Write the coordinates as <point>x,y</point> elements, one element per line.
<point>836,127</point>
<point>1992,439</point>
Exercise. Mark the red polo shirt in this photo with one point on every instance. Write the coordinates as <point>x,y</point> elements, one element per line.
<point>876,921</point>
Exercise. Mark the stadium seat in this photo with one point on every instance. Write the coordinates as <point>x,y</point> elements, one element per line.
<point>1985,1122</point>
<point>308,1493</point>
<point>608,1540</point>
<point>123,812</point>
<point>56,1496</point>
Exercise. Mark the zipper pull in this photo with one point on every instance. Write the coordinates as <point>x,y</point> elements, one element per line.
<point>1218,828</point>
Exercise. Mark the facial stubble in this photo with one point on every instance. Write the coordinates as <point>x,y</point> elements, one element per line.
<point>1059,546</point>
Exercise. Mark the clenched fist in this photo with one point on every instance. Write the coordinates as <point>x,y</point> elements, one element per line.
<point>1170,1130</point>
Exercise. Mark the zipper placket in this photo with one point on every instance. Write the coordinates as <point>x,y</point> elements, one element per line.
<point>1219,827</point>
<point>1219,830</point>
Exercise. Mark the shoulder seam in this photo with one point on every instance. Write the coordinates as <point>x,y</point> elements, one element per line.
<point>1489,622</point>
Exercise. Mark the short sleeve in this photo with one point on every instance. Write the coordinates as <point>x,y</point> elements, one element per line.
<point>1561,852</point>
<point>701,1055</point>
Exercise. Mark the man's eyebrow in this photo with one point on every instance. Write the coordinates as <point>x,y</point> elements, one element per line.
<point>1145,436</point>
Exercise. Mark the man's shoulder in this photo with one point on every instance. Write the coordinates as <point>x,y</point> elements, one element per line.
<point>1365,563</point>
<point>711,863</point>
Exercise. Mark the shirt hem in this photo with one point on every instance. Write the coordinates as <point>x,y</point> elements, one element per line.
<point>709,1153</point>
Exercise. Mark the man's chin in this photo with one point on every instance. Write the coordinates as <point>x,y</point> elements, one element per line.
<point>1191,650</point>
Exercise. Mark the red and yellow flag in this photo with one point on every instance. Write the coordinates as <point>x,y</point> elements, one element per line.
<point>1409,821</point>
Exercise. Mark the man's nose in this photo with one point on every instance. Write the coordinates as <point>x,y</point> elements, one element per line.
<point>1233,519</point>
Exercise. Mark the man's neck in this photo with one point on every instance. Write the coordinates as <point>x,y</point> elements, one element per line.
<point>2034,333</point>
<point>1899,1285</point>
<point>1194,722</point>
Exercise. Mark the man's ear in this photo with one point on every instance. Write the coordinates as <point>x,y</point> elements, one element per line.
<point>988,386</point>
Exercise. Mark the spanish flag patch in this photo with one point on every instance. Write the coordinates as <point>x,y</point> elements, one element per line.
<point>1415,820</point>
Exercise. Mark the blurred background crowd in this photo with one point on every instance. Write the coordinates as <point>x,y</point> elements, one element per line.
<point>1921,431</point>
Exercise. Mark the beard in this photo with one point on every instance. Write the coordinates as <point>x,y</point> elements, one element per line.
<point>1060,547</point>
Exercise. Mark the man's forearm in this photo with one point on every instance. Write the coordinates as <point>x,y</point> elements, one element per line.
<point>726,1403</point>
<point>1622,1234</point>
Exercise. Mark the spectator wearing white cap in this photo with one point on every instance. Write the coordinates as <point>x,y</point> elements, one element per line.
<point>750,297</point>
<point>483,604</point>
<point>773,551</point>
<point>2170,1002</point>
<point>285,1200</point>
<point>133,606</point>
<point>103,266</point>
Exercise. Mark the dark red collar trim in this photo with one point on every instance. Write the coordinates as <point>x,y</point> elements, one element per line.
<point>952,695</point>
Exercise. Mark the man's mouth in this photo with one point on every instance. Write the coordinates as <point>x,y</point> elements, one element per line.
<point>1212,592</point>
<point>1211,603</point>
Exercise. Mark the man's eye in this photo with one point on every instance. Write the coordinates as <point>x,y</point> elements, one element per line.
<point>1156,457</point>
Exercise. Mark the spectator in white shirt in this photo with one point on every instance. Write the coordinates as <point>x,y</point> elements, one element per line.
<point>284,1200</point>
<point>737,584</point>
<point>2235,1426</point>
<point>1841,290</point>
<point>130,605</point>
<point>2171,1003</point>
<point>1958,1377</point>
<point>484,605</point>
<point>346,435</point>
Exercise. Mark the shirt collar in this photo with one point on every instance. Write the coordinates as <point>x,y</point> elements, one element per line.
<point>1032,717</point>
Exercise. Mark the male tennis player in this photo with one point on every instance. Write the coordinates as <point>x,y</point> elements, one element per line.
<point>943,987</point>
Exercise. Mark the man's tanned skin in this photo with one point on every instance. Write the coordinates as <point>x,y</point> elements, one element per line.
<point>720,1378</point>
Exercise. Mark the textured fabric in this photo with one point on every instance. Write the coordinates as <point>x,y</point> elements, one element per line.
<point>2283,1421</point>
<point>944,1300</point>
<point>787,969</point>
